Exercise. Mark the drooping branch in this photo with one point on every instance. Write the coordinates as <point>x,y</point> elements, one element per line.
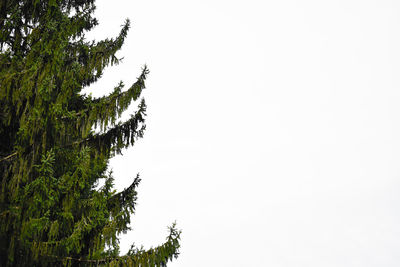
<point>106,110</point>
<point>158,256</point>
<point>91,58</point>
<point>115,139</point>
<point>122,135</point>
<point>125,198</point>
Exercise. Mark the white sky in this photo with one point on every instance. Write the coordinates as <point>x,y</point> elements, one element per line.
<point>272,132</point>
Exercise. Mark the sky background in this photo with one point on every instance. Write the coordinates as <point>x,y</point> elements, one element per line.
<point>272,131</point>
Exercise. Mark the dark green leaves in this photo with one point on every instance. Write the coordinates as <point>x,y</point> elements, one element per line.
<point>52,211</point>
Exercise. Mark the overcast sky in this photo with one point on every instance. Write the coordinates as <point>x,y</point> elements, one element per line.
<point>273,129</point>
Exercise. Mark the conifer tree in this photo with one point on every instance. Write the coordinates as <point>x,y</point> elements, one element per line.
<point>51,210</point>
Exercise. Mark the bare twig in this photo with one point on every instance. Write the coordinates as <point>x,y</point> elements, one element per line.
<point>9,156</point>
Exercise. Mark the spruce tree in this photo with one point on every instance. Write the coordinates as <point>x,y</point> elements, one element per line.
<point>52,211</point>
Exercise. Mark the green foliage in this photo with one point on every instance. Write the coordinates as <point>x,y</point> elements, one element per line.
<point>51,209</point>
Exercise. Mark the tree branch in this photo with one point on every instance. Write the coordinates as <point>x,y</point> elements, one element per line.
<point>9,156</point>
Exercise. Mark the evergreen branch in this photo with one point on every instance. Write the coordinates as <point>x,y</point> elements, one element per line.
<point>122,135</point>
<point>158,256</point>
<point>107,109</point>
<point>124,98</point>
<point>125,197</point>
<point>92,57</point>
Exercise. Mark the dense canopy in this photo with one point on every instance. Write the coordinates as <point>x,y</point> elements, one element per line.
<point>52,209</point>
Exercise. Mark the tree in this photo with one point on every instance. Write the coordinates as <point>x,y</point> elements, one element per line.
<point>52,211</point>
